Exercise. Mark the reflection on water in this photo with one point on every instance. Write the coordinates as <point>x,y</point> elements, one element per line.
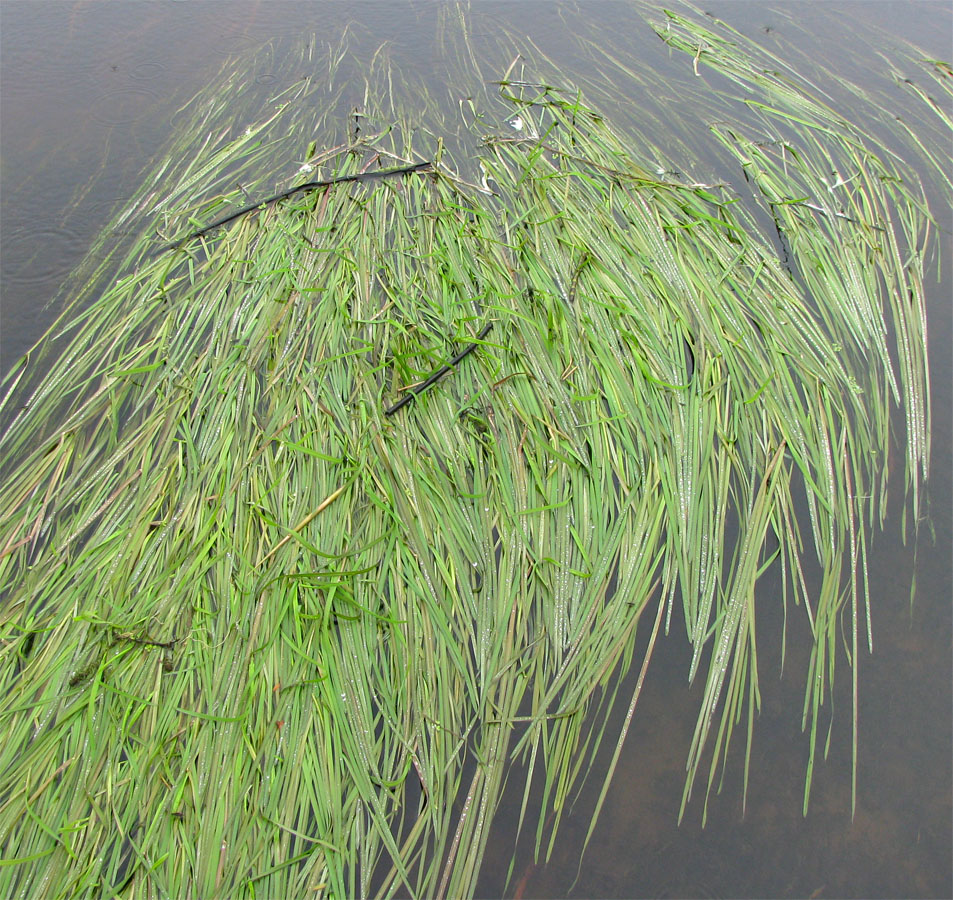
<point>88,93</point>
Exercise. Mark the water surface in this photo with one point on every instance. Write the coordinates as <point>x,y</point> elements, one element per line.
<point>89,92</point>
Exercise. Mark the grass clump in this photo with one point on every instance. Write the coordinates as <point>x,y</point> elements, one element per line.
<point>261,636</point>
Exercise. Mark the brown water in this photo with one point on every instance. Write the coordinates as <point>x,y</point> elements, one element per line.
<point>87,87</point>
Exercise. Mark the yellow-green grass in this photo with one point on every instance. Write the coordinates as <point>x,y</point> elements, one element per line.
<point>260,637</point>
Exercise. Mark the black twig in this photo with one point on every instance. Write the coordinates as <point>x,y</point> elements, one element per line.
<point>309,186</point>
<point>420,388</point>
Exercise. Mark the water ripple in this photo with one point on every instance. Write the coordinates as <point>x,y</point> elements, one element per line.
<point>34,256</point>
<point>123,106</point>
<point>147,70</point>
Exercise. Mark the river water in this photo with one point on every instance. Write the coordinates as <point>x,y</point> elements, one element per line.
<point>88,91</point>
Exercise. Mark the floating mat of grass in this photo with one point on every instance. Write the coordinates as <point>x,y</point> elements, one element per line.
<point>259,636</point>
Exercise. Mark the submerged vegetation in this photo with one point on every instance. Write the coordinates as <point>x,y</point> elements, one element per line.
<point>275,622</point>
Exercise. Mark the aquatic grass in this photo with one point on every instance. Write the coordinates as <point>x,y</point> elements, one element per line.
<point>267,630</point>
